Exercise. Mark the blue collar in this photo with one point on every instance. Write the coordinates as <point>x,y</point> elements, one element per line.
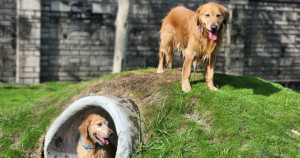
<point>98,146</point>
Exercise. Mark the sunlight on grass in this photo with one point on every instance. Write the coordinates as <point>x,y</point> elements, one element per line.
<point>16,95</point>
<point>22,126</point>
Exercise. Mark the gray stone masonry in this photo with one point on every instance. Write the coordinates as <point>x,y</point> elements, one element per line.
<point>73,40</point>
<point>7,40</point>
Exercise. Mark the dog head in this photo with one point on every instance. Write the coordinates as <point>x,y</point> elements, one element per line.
<point>95,127</point>
<point>212,16</point>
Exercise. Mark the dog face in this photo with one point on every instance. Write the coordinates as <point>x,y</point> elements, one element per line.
<point>213,16</point>
<point>95,127</point>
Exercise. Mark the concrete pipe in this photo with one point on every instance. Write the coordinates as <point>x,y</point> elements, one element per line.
<point>122,114</point>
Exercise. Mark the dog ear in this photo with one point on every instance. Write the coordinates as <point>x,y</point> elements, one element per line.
<point>197,20</point>
<point>226,16</point>
<point>83,128</point>
<point>224,13</point>
<point>199,10</point>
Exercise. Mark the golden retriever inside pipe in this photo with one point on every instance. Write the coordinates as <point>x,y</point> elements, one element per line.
<point>197,35</point>
<point>93,140</point>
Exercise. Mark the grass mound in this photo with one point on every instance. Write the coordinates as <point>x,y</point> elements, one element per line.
<point>247,117</point>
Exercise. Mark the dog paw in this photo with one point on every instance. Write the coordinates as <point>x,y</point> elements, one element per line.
<point>186,86</point>
<point>212,87</point>
<point>159,71</point>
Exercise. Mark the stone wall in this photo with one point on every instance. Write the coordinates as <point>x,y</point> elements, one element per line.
<point>7,40</point>
<point>72,40</point>
<point>77,39</point>
<point>265,40</point>
<point>272,50</point>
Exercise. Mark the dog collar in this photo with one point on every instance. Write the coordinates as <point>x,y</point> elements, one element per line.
<point>98,146</point>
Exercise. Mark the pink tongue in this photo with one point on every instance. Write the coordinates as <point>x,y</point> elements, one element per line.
<point>213,36</point>
<point>106,142</point>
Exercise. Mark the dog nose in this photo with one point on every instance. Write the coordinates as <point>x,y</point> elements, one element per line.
<point>214,27</point>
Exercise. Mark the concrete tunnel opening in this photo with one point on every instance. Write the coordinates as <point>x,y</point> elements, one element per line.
<point>123,117</point>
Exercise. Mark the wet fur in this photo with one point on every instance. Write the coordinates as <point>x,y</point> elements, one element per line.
<point>87,127</point>
<point>180,31</point>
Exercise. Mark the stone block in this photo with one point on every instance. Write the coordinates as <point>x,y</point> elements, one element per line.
<point>101,8</point>
<point>281,23</point>
<point>36,80</point>
<point>27,80</point>
<point>105,68</point>
<point>289,16</point>
<point>255,61</point>
<point>30,61</point>
<point>59,6</point>
<point>37,69</point>
<point>53,61</point>
<point>30,5</point>
<point>285,61</point>
<point>259,38</point>
<point>84,60</point>
<point>63,74</point>
<point>83,73</point>
<point>28,69</point>
<point>297,61</point>
<point>74,60</point>
<point>63,60</point>
<point>270,62</point>
<point>88,68</point>
<point>31,75</point>
<point>8,74</point>
<point>53,33</point>
<point>240,2</point>
<point>287,38</point>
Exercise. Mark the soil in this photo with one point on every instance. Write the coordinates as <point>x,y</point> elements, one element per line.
<point>142,88</point>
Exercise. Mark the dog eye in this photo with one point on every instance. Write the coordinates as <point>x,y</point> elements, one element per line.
<point>207,15</point>
<point>99,124</point>
<point>218,15</point>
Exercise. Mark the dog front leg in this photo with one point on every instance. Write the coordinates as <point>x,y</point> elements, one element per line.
<point>186,71</point>
<point>209,73</point>
<point>160,68</point>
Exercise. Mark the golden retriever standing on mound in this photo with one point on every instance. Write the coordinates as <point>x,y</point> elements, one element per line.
<point>198,35</point>
<point>93,141</point>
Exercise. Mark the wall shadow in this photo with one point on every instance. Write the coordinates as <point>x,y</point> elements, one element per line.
<point>259,86</point>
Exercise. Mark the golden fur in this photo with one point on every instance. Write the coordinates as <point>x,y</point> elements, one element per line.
<point>198,35</point>
<point>91,125</point>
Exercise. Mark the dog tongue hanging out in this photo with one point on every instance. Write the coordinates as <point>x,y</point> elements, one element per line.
<point>213,36</point>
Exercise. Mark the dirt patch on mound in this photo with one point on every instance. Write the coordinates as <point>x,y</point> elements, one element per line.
<point>137,86</point>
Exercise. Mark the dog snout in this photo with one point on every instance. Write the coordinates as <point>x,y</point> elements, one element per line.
<point>214,27</point>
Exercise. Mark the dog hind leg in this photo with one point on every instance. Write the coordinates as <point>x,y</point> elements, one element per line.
<point>169,56</point>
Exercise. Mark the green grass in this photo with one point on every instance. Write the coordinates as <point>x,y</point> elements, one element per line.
<point>16,95</point>
<point>247,117</point>
<point>22,125</point>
